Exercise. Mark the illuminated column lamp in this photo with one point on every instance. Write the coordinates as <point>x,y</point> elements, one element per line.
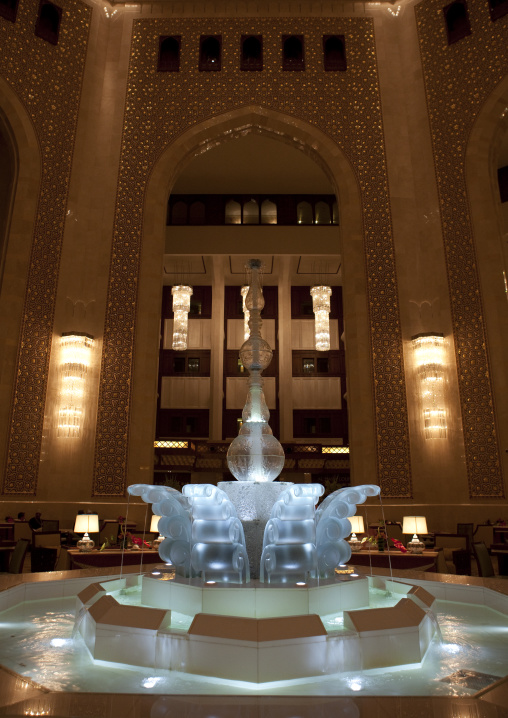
<point>321,307</point>
<point>181,307</point>
<point>246,313</point>
<point>154,528</point>
<point>357,526</point>
<point>415,525</point>
<point>75,358</point>
<point>86,523</point>
<point>429,354</point>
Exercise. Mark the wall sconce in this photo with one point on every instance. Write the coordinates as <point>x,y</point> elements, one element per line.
<point>75,358</point>
<point>246,314</point>
<point>321,307</point>
<point>429,355</point>
<point>181,307</point>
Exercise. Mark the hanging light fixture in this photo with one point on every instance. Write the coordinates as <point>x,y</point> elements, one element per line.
<point>246,313</point>
<point>321,307</point>
<point>75,358</point>
<point>181,307</point>
<point>429,355</point>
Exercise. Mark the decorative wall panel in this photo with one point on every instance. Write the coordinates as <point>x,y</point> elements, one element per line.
<point>344,105</point>
<point>479,61</point>
<point>47,78</point>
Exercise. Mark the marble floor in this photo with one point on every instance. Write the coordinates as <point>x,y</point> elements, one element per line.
<point>20,696</point>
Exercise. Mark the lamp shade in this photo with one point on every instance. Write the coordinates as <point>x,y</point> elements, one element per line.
<point>154,524</point>
<point>414,525</point>
<point>357,526</point>
<point>86,523</point>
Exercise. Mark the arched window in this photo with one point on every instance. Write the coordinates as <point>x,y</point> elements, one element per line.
<point>7,184</point>
<point>322,213</point>
<point>252,52</point>
<point>334,52</point>
<point>179,213</point>
<point>197,213</point>
<point>268,212</point>
<point>251,212</point>
<point>47,25</point>
<point>304,213</point>
<point>292,52</point>
<point>233,212</point>
<point>457,21</point>
<point>9,9</point>
<point>210,53</point>
<point>335,213</point>
<point>169,53</point>
<point>498,8</point>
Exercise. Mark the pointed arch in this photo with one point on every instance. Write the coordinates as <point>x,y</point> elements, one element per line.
<point>330,157</point>
<point>490,232</point>
<point>18,226</point>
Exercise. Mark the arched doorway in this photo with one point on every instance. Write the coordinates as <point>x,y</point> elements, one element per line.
<point>302,138</point>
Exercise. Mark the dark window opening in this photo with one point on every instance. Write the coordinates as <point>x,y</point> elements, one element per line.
<point>9,9</point>
<point>196,307</point>
<point>502,178</point>
<point>334,53</point>
<point>47,25</point>
<point>498,8</point>
<point>322,365</point>
<point>197,214</point>
<point>457,21</point>
<point>175,424</point>
<point>179,213</point>
<point>304,213</point>
<point>309,425</point>
<point>193,365</point>
<point>169,54</point>
<point>306,308</point>
<point>252,52</point>
<point>210,53</point>
<point>179,365</point>
<point>190,425</point>
<point>308,365</point>
<point>292,52</point>
<point>325,425</point>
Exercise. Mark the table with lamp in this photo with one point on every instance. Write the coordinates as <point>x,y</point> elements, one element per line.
<point>367,554</point>
<point>85,555</point>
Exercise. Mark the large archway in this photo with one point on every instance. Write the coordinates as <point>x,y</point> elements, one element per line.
<point>18,204</point>
<point>330,157</point>
<point>488,136</point>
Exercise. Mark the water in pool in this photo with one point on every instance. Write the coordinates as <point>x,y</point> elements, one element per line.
<point>37,641</point>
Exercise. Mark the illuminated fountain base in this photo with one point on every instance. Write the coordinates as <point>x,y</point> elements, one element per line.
<point>256,633</point>
<point>253,503</point>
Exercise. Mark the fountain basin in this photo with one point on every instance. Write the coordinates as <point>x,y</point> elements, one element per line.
<point>256,633</point>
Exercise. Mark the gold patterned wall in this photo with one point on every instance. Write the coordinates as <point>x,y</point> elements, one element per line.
<point>458,79</point>
<point>47,79</point>
<point>161,106</point>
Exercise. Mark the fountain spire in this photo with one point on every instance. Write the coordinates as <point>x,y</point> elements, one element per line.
<point>255,454</point>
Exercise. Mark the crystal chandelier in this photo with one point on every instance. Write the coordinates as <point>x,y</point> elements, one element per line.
<point>181,306</point>
<point>321,307</point>
<point>429,360</point>
<point>246,313</point>
<point>75,358</point>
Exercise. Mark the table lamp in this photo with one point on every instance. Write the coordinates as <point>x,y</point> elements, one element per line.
<point>356,526</point>
<point>415,525</point>
<point>83,524</point>
<point>154,528</point>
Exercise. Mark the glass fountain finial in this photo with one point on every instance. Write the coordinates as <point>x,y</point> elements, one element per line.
<point>255,454</point>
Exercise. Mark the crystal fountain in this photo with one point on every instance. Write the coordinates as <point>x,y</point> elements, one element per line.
<point>254,563</point>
